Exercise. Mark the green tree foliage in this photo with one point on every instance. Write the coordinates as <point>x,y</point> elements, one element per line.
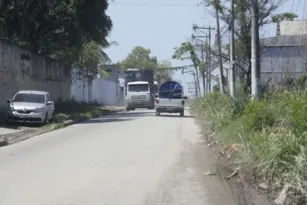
<point>55,27</point>
<point>243,26</point>
<point>163,74</point>
<point>284,17</point>
<point>140,58</point>
<point>187,51</point>
<point>92,61</point>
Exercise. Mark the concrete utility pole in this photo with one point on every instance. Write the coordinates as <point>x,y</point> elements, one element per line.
<point>203,61</point>
<point>221,73</point>
<point>196,84</point>
<point>203,69</point>
<point>255,58</point>
<point>209,59</point>
<point>232,69</point>
<point>209,69</point>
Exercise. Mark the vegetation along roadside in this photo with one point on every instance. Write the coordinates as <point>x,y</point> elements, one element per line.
<point>267,137</point>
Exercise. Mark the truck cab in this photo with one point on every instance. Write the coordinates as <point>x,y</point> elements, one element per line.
<point>170,99</point>
<point>138,95</point>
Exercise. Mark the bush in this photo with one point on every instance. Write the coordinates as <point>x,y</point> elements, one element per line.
<point>271,133</point>
<point>69,110</point>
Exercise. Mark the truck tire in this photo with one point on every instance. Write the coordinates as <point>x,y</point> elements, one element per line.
<point>182,113</point>
<point>127,109</point>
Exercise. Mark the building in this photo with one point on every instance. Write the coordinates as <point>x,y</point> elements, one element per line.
<point>104,90</point>
<point>285,55</point>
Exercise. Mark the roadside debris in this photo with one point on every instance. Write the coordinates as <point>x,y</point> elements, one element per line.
<point>281,199</point>
<point>210,173</point>
<point>232,174</point>
<point>232,147</point>
<point>263,186</point>
<point>213,143</point>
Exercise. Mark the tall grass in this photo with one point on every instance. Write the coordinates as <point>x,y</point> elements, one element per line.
<point>271,133</point>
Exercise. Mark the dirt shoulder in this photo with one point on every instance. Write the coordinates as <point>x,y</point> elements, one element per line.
<point>231,173</point>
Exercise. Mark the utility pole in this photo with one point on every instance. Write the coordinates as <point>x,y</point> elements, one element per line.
<point>203,69</point>
<point>208,37</point>
<point>196,84</point>
<point>221,73</point>
<point>209,59</point>
<point>255,50</point>
<point>232,69</point>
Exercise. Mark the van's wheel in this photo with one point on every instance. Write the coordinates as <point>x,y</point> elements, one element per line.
<point>158,113</point>
<point>182,114</point>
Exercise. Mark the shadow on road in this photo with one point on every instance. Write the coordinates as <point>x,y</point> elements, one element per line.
<point>133,114</point>
<point>186,116</point>
<point>105,120</point>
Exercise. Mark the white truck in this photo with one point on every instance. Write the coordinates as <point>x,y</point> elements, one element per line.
<point>138,95</point>
<point>170,99</point>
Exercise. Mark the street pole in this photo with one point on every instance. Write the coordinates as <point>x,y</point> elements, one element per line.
<point>209,69</point>
<point>203,69</point>
<point>209,61</point>
<point>232,69</point>
<point>255,58</point>
<point>219,46</point>
<point>196,86</point>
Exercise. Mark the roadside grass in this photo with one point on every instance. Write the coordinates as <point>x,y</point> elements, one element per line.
<point>271,134</point>
<point>72,110</point>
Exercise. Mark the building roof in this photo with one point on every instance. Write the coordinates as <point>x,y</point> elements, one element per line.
<point>297,40</point>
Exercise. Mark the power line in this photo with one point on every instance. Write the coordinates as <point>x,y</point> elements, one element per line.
<point>154,5</point>
<point>157,22</point>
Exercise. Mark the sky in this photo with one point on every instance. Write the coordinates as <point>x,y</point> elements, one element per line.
<point>161,25</point>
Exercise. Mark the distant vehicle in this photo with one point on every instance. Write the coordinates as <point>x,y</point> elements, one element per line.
<point>170,99</point>
<point>30,106</point>
<point>139,86</point>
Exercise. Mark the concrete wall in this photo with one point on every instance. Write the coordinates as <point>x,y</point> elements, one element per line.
<point>101,90</point>
<point>280,62</point>
<point>298,27</point>
<point>21,69</point>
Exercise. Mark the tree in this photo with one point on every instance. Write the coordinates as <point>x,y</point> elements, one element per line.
<point>55,28</point>
<point>140,58</point>
<point>283,17</point>
<point>243,27</point>
<point>92,62</point>
<point>163,73</point>
<point>187,51</point>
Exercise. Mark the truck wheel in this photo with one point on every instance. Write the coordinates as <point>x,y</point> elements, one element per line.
<point>157,113</point>
<point>181,113</point>
<point>127,109</point>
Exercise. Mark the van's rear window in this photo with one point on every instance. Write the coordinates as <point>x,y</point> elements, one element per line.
<point>171,90</point>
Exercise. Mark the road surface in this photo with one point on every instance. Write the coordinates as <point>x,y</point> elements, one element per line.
<point>132,158</point>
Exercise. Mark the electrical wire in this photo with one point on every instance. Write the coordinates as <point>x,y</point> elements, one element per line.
<point>144,4</point>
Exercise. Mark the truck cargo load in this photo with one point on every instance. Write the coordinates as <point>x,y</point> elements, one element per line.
<point>171,89</point>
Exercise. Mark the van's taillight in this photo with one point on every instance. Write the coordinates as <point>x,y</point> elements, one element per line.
<point>157,101</point>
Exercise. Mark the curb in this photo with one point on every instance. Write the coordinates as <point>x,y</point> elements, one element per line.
<point>6,142</point>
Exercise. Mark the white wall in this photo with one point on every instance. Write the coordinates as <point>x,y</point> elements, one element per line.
<point>102,91</point>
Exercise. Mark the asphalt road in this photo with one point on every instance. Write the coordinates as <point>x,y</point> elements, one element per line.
<point>132,158</point>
